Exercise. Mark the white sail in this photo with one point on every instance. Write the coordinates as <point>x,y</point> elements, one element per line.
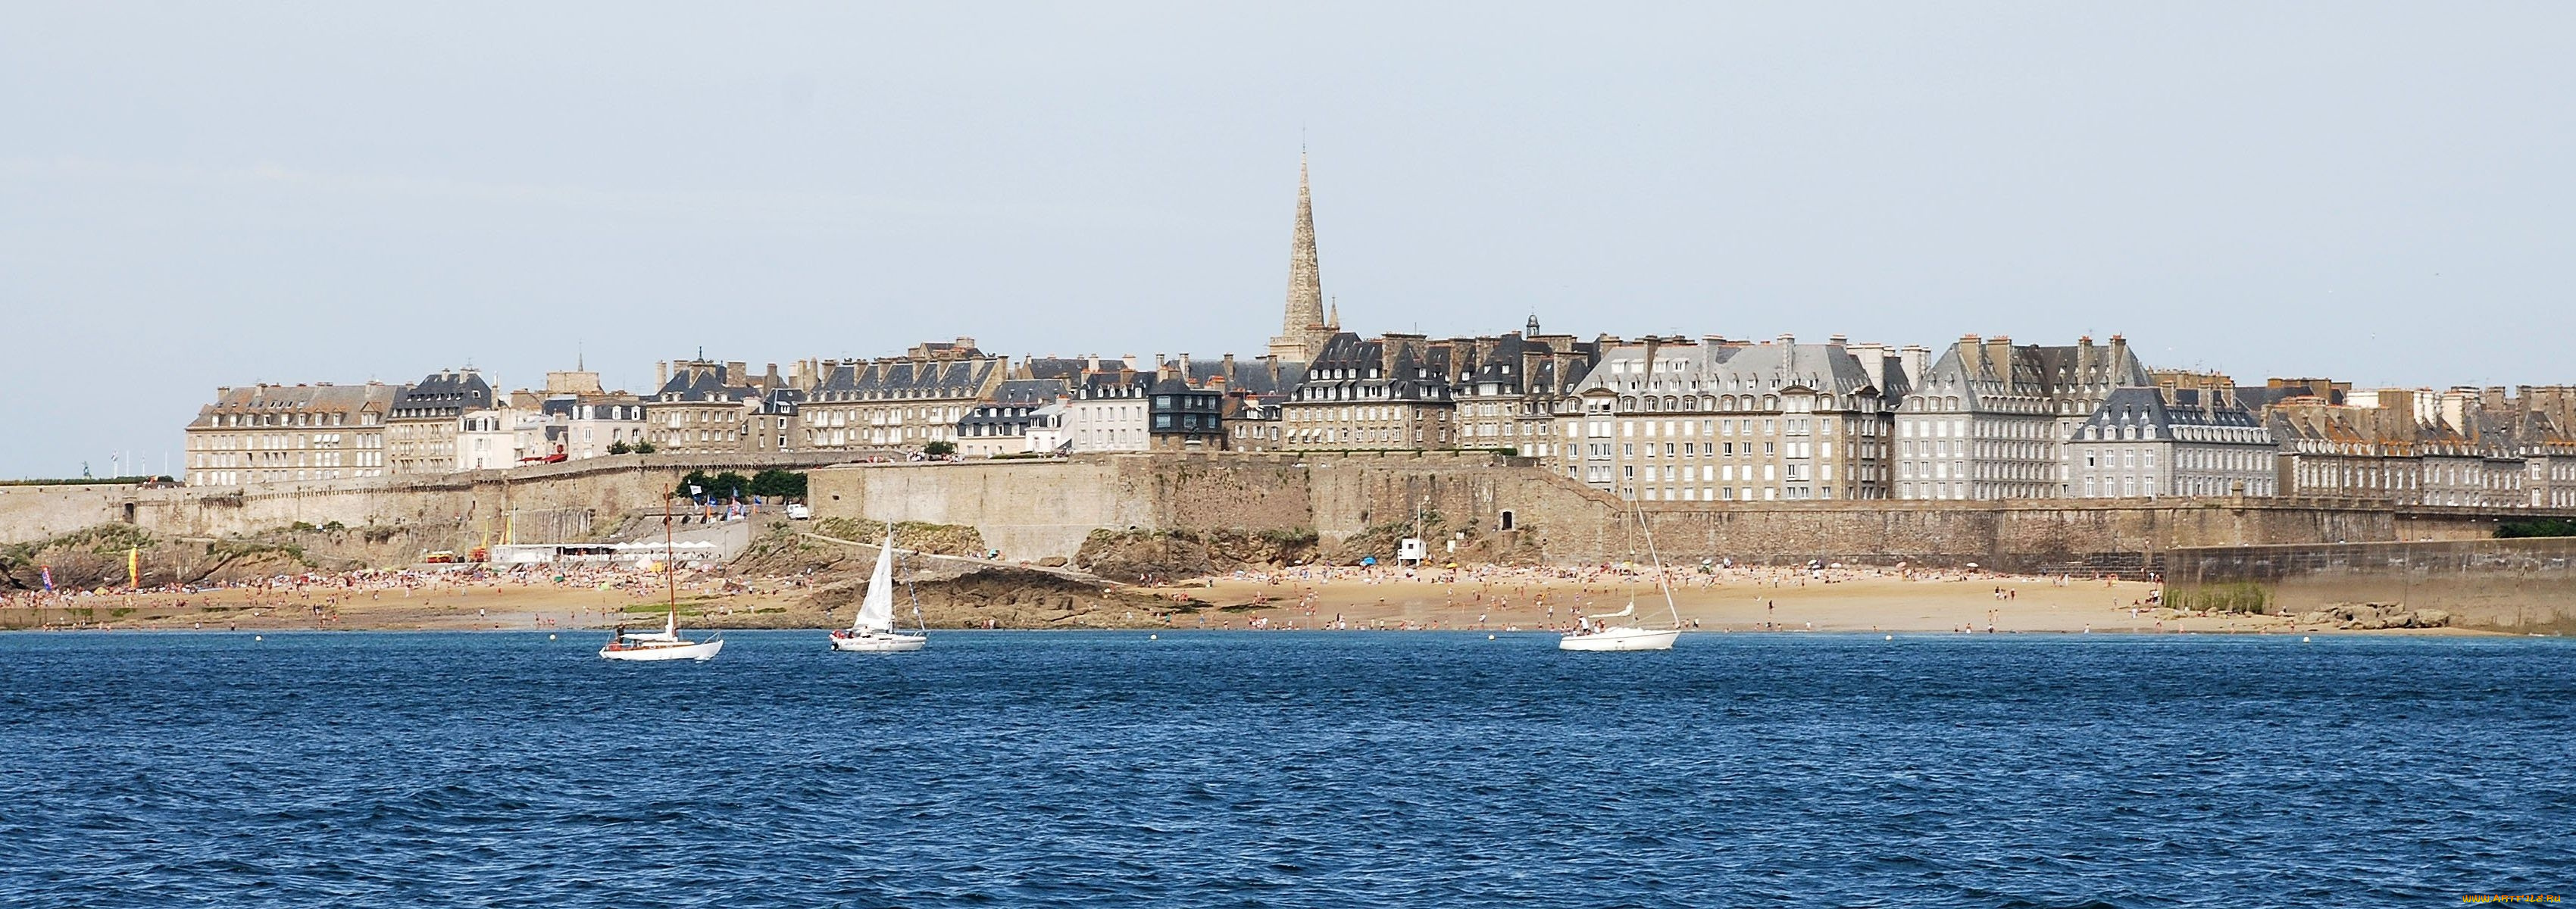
<point>876,613</point>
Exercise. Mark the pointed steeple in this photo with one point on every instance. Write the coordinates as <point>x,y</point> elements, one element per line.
<point>1302,329</point>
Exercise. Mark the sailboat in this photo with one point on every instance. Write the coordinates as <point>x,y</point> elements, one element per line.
<point>1597,634</point>
<point>665,644</point>
<point>872,630</point>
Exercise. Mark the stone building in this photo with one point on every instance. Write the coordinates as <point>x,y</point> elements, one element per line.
<point>1392,392</point>
<point>1107,409</point>
<point>1000,425</point>
<point>1718,420</point>
<point>903,402</point>
<point>2186,436</point>
<point>2542,428</point>
<point>1252,422</point>
<point>1186,416</point>
<point>707,407</point>
<point>2258,397</point>
<point>284,433</point>
<point>1989,419</point>
<point>2411,447</point>
<point>502,437</point>
<point>1508,387</point>
<point>420,432</point>
<point>596,425</point>
<point>1046,429</point>
<point>1251,391</point>
<point>595,420</point>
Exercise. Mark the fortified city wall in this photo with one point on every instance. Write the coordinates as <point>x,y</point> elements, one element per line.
<point>1037,508</point>
<point>543,502</point>
<point>1041,508</point>
<point>2526,585</point>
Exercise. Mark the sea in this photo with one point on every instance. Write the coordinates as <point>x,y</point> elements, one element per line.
<point>1243,769</point>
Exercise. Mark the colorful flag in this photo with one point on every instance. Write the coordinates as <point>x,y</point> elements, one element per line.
<point>133,566</point>
<point>46,572</point>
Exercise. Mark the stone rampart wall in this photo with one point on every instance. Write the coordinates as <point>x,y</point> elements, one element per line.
<point>2526,585</point>
<point>546,499</point>
<point>1045,507</point>
<point>1034,509</point>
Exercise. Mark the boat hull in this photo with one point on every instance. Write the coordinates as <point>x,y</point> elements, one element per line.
<point>705,650</point>
<point>1620,639</point>
<point>879,643</point>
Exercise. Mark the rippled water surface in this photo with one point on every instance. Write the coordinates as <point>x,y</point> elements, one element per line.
<point>1241,769</point>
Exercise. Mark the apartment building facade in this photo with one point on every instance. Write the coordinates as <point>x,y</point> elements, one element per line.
<point>1390,392</point>
<point>1717,420</point>
<point>1989,419</point>
<point>286,433</point>
<point>2171,440</point>
<point>420,432</point>
<point>902,402</point>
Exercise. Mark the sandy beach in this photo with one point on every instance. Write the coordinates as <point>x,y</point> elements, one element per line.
<point>1485,599</point>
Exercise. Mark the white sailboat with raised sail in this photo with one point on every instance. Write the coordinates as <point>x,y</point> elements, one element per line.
<point>1597,632</point>
<point>872,630</point>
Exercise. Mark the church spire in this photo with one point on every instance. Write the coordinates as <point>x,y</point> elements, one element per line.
<point>1302,329</point>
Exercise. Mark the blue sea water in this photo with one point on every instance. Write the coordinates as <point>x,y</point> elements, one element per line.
<point>1240,769</point>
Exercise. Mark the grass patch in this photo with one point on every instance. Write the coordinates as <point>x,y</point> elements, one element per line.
<point>2234,596</point>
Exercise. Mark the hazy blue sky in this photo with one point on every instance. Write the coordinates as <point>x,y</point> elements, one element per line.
<point>194,195</point>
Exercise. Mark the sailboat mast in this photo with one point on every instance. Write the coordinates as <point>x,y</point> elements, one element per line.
<point>1661,582</point>
<point>670,551</point>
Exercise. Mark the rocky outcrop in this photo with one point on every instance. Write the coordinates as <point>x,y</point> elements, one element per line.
<point>2375,617</point>
<point>97,557</point>
<point>937,539</point>
<point>1006,597</point>
<point>1151,555</point>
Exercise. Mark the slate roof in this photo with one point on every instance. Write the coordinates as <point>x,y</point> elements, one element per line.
<point>283,402</point>
<point>442,395</point>
<point>1261,375</point>
<point>2030,371</point>
<point>1352,368</point>
<point>692,382</point>
<point>1062,369</point>
<point>1724,369</point>
<point>2184,417</point>
<point>905,378</point>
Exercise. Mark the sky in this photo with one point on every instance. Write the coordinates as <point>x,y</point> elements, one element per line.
<point>201,195</point>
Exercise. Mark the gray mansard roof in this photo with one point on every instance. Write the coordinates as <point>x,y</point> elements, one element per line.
<point>906,378</point>
<point>1996,376</point>
<point>2147,414</point>
<point>1350,369</point>
<point>1708,369</point>
<point>441,395</point>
